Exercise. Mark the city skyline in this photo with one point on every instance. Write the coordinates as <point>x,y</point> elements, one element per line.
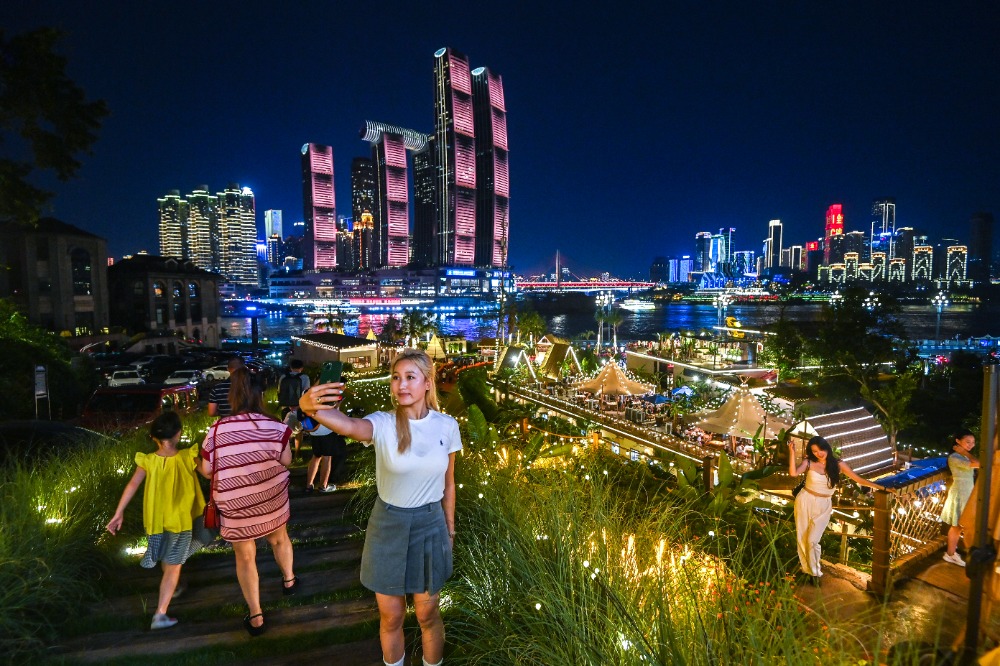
<point>632,131</point>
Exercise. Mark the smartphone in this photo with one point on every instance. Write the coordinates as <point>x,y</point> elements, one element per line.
<point>331,372</point>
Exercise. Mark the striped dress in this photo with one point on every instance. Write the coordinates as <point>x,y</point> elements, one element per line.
<point>251,486</point>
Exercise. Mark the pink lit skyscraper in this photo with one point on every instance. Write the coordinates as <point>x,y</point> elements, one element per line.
<point>320,208</point>
<point>493,189</point>
<point>455,160</point>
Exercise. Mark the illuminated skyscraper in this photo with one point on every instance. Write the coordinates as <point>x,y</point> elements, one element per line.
<point>455,160</point>
<point>492,182</point>
<point>883,227</point>
<point>923,262</point>
<point>774,233</point>
<point>897,270</point>
<point>203,230</point>
<point>956,268</point>
<point>174,238</point>
<point>834,227</point>
<point>364,248</point>
<point>319,207</point>
<point>389,144</point>
<point>703,251</point>
<point>425,217</point>
<point>272,224</point>
<point>238,234</point>
<point>878,266</point>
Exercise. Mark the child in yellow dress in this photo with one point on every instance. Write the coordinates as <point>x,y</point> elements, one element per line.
<point>172,506</point>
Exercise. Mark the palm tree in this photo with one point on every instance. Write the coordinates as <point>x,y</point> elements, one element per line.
<point>600,317</point>
<point>531,324</point>
<point>415,323</point>
<point>615,318</point>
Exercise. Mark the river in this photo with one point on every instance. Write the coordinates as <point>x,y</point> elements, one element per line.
<point>573,319</point>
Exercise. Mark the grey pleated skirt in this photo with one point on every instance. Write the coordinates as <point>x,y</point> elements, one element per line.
<point>406,551</point>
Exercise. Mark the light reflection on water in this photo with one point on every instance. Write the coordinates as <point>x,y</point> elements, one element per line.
<point>919,321</point>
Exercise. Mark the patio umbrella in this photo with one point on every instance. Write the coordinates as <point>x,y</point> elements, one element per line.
<point>683,390</point>
<point>611,380</point>
<point>741,415</point>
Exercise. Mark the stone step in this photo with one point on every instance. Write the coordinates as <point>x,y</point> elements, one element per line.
<point>185,637</point>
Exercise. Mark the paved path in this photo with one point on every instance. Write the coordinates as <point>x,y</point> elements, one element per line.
<point>332,620</point>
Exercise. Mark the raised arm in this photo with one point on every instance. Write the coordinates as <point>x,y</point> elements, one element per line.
<point>860,480</point>
<point>792,469</point>
<point>316,403</point>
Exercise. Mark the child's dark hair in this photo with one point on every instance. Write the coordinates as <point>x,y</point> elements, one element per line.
<point>165,426</point>
<point>962,433</point>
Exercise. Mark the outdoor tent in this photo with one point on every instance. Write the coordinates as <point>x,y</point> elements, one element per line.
<point>611,380</point>
<point>858,436</point>
<point>558,354</point>
<point>742,415</point>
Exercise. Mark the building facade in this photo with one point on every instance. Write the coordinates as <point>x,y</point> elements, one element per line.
<point>57,275</point>
<point>492,177</point>
<point>165,295</point>
<point>454,131</point>
<point>319,208</point>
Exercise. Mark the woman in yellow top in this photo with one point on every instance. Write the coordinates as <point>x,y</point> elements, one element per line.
<point>172,506</point>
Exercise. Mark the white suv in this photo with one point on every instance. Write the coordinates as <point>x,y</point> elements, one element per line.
<point>125,378</point>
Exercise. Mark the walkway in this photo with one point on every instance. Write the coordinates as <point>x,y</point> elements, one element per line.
<point>333,619</point>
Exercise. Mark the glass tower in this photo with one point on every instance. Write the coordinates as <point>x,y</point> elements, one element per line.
<point>492,182</point>
<point>319,207</point>
<point>456,159</point>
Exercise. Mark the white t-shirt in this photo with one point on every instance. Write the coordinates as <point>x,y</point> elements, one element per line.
<point>416,477</point>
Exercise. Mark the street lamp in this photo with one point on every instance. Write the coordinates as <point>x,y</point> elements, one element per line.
<point>940,302</point>
<point>721,303</point>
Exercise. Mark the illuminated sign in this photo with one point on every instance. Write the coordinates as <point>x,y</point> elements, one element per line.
<point>458,272</point>
<point>812,245</point>
<point>374,301</point>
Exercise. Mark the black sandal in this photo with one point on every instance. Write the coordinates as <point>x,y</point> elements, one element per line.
<point>252,630</point>
<point>289,590</point>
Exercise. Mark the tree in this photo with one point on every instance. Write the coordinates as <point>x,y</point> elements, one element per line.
<point>44,116</point>
<point>415,324</point>
<point>784,348</point>
<point>530,323</point>
<point>600,316</point>
<point>614,319</point>
<point>892,402</point>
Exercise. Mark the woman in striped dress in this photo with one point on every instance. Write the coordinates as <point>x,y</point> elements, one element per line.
<point>249,454</point>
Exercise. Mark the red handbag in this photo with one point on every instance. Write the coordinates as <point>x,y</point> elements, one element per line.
<point>211,516</point>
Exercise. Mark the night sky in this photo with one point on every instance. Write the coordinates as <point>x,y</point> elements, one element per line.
<point>630,128</point>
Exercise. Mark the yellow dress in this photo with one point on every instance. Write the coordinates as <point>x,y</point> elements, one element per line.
<point>172,506</point>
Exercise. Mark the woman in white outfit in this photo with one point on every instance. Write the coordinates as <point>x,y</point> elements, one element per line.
<point>814,504</point>
<point>408,543</point>
<point>961,463</point>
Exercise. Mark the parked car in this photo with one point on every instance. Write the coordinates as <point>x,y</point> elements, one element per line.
<point>118,410</point>
<point>190,377</point>
<point>216,372</point>
<point>125,378</point>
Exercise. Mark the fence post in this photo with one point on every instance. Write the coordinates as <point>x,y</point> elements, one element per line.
<point>880,544</point>
<point>982,555</point>
<point>524,427</point>
<point>708,466</point>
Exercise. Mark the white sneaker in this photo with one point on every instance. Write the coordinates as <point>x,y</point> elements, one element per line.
<point>329,488</point>
<point>161,621</point>
<point>954,559</point>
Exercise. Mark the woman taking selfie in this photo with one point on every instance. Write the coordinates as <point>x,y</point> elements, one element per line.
<point>814,504</point>
<point>408,543</point>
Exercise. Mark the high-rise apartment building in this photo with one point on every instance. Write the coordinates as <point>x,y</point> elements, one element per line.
<point>319,207</point>
<point>834,227</point>
<point>883,233</point>
<point>238,234</point>
<point>364,241</point>
<point>922,266</point>
<point>425,216</point>
<point>956,266</point>
<point>216,232</point>
<point>773,244</point>
<point>492,180</point>
<point>703,251</point>
<point>454,131</point>
<point>743,263</point>
<point>272,224</point>
<point>879,266</point>
<point>389,145</point>
<point>897,270</point>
